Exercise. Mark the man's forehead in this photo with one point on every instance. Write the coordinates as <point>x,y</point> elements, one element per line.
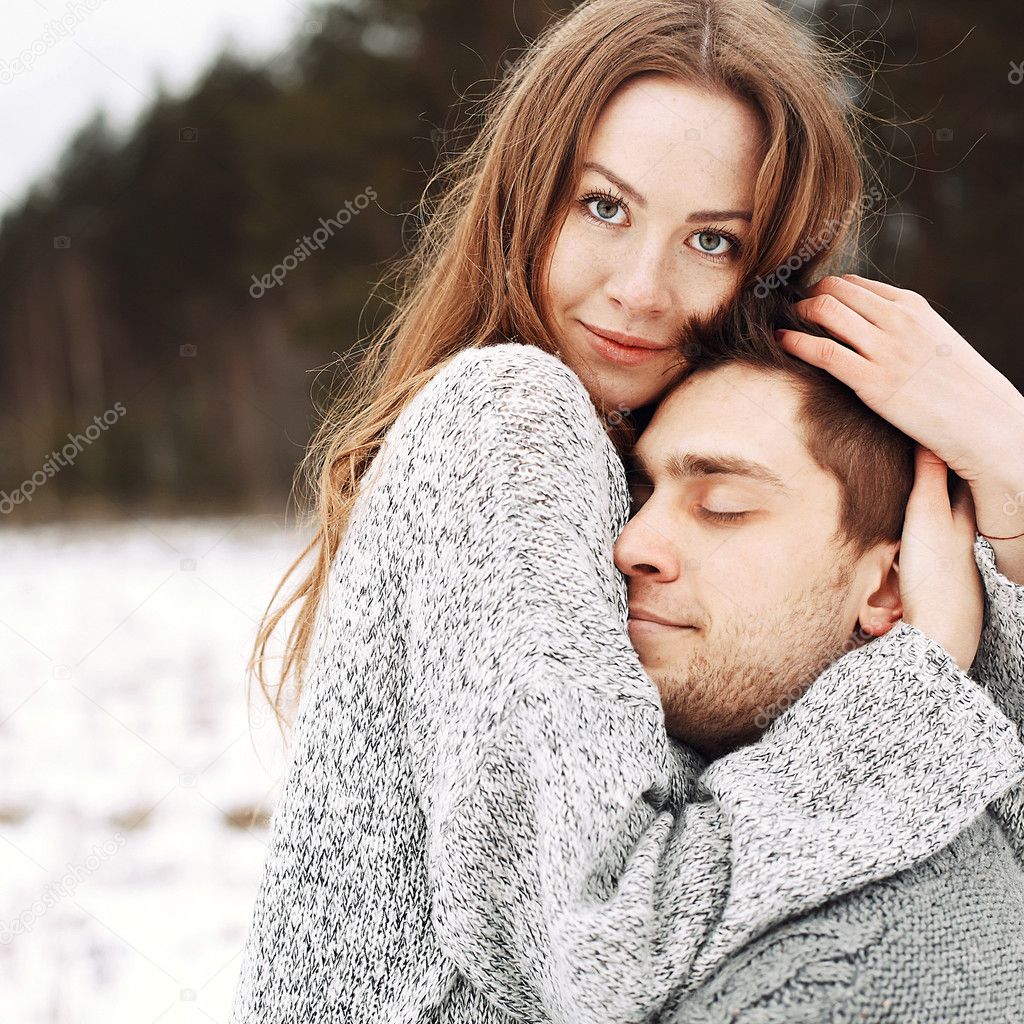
<point>733,419</point>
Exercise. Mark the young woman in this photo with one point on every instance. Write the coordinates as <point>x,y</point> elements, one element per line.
<point>482,817</point>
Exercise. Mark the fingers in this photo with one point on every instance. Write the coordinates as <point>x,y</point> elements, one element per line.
<point>930,497</point>
<point>834,312</point>
<point>871,304</point>
<point>887,291</point>
<point>844,364</point>
<point>898,296</point>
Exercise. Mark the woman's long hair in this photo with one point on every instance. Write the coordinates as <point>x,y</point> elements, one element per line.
<point>474,276</point>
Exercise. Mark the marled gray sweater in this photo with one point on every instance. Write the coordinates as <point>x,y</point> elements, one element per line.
<point>939,943</point>
<point>482,817</point>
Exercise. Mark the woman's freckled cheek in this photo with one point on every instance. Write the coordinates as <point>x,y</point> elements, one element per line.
<point>588,253</point>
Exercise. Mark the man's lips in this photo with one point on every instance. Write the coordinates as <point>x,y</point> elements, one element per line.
<point>639,614</point>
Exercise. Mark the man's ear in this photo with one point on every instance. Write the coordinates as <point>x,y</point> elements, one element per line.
<point>882,607</point>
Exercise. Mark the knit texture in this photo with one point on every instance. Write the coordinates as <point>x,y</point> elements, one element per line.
<point>999,667</point>
<point>482,817</point>
<point>940,943</point>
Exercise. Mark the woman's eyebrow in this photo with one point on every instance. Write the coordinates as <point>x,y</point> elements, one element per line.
<point>697,215</point>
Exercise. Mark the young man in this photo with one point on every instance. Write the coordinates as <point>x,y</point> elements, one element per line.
<point>484,818</point>
<point>768,509</point>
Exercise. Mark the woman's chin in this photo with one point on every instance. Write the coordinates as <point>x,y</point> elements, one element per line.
<point>617,389</point>
<point>618,395</point>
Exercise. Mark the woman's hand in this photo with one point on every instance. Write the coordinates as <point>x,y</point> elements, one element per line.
<point>940,587</point>
<point>911,367</point>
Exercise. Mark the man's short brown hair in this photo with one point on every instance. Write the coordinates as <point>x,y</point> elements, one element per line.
<point>872,460</point>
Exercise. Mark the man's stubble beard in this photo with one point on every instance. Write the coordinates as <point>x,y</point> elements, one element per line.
<point>755,669</point>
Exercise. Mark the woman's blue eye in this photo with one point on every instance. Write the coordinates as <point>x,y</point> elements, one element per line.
<point>607,206</point>
<point>710,241</point>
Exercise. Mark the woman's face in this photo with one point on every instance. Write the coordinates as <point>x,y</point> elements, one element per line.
<point>653,233</point>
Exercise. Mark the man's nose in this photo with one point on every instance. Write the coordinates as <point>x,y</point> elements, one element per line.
<point>646,549</point>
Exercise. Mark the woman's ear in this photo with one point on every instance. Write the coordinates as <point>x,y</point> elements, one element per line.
<point>882,608</point>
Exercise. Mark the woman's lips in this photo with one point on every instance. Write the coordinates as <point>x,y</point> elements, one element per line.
<point>624,355</point>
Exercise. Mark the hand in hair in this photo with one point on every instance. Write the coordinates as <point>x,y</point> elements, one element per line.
<point>911,367</point>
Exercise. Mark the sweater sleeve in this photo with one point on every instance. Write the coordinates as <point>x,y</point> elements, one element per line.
<point>999,667</point>
<point>999,662</point>
<point>567,883</point>
<point>887,953</point>
<point>805,972</point>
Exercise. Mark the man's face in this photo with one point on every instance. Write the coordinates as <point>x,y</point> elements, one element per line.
<point>735,542</point>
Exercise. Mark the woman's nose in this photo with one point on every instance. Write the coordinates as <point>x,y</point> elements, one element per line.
<point>640,284</point>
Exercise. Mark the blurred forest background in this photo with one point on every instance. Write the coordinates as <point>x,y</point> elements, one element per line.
<point>127,278</point>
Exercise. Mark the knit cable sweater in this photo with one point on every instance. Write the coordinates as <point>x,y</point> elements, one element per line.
<point>939,943</point>
<point>482,817</point>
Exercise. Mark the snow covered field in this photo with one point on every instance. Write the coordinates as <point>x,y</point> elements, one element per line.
<point>131,767</point>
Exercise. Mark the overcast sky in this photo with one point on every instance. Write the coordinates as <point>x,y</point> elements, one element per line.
<point>60,59</point>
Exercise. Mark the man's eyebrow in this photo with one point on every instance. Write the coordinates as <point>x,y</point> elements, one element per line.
<point>694,217</point>
<point>686,465</point>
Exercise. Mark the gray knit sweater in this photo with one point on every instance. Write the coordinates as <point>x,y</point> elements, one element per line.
<point>940,943</point>
<point>482,817</point>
